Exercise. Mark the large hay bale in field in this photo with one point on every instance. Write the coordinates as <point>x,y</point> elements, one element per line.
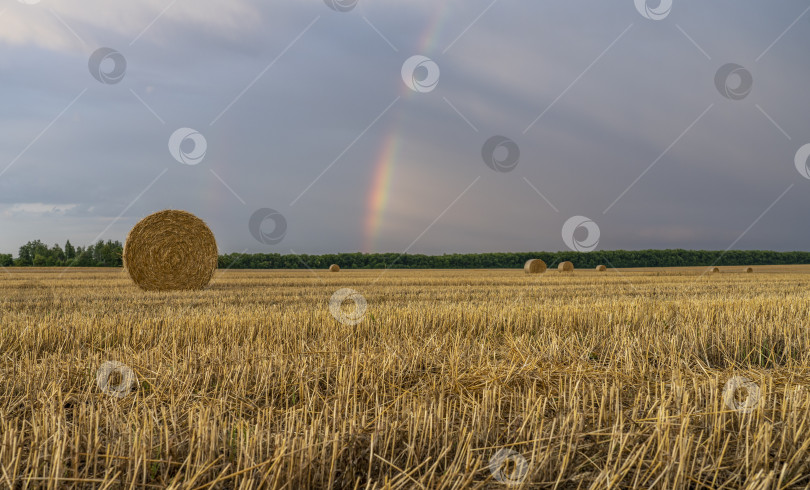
<point>170,250</point>
<point>601,268</point>
<point>715,269</point>
<point>334,268</point>
<point>749,270</point>
<point>534,266</point>
<point>566,266</point>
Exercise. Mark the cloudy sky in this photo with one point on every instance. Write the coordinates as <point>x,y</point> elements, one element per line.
<point>419,125</point>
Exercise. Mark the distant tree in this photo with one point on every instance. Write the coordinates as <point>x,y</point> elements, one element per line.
<point>70,252</point>
<point>83,258</point>
<point>25,257</point>
<point>57,254</point>
<point>6,260</point>
<point>30,250</point>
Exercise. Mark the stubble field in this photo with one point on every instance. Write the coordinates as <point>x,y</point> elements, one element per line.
<point>450,379</point>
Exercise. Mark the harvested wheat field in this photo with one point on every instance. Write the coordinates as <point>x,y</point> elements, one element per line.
<point>649,378</point>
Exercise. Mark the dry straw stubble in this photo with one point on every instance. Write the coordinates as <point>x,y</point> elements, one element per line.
<point>170,250</point>
<point>27,295</point>
<point>286,392</point>
<point>534,266</point>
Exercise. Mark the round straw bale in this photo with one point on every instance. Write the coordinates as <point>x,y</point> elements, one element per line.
<point>334,268</point>
<point>170,250</point>
<point>715,269</point>
<point>601,268</point>
<point>565,266</point>
<point>534,266</point>
<point>749,270</point>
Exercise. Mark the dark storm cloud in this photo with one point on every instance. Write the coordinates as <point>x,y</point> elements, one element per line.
<point>315,79</point>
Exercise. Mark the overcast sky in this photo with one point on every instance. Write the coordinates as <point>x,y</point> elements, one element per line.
<point>624,114</point>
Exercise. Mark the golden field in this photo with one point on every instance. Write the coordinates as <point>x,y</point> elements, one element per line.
<point>573,380</point>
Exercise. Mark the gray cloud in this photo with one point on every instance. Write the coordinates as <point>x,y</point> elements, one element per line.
<point>317,95</point>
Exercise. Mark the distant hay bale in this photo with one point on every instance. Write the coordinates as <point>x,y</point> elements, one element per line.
<point>601,268</point>
<point>534,266</point>
<point>749,270</point>
<point>334,268</point>
<point>170,250</point>
<point>565,266</point>
<point>715,269</point>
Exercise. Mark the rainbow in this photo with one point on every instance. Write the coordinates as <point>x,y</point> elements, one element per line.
<point>428,42</point>
<point>380,191</point>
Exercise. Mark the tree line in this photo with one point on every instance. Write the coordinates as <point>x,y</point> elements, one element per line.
<point>37,254</point>
<point>109,254</point>
<point>512,260</point>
